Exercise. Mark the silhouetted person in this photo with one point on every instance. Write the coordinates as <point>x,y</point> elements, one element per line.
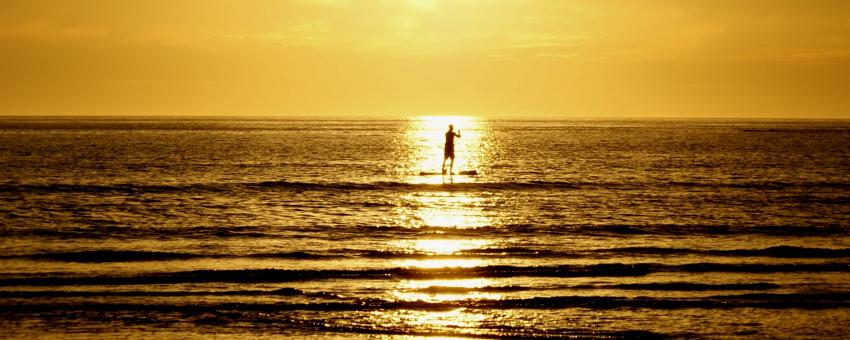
<point>449,151</point>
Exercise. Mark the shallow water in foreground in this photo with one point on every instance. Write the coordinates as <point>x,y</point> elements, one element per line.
<point>572,228</point>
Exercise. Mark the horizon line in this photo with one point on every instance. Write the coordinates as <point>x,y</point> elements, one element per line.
<point>404,116</point>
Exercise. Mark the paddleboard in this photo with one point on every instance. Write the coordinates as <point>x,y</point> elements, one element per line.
<point>462,173</point>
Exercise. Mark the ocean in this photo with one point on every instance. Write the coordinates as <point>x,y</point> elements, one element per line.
<point>577,228</point>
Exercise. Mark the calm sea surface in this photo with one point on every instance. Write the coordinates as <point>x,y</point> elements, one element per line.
<point>572,228</point>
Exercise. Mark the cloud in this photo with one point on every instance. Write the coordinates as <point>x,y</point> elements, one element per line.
<point>823,54</point>
<point>50,31</point>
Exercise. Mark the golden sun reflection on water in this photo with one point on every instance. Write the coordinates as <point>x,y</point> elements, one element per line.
<point>440,247</point>
<point>444,290</point>
<point>436,291</point>
<point>424,139</point>
<point>439,321</point>
<point>449,209</point>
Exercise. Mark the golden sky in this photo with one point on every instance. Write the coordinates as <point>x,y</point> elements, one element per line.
<point>566,58</point>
